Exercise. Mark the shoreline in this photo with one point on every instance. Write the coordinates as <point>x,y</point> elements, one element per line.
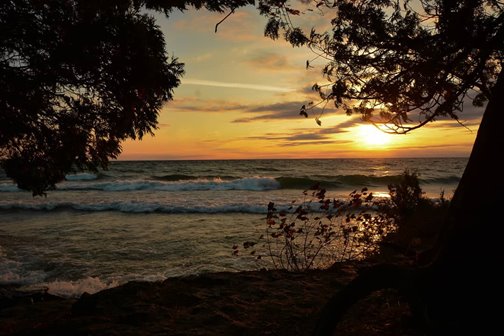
<point>226,303</point>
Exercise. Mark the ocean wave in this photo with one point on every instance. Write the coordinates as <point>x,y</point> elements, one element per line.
<point>81,177</point>
<point>8,187</point>
<point>12,273</point>
<point>337,181</point>
<point>174,177</point>
<point>368,180</point>
<point>304,182</point>
<point>250,183</point>
<point>356,180</point>
<point>140,207</point>
<point>74,289</point>
<point>443,180</point>
<point>182,177</point>
<point>145,207</point>
<point>181,182</point>
<point>89,285</point>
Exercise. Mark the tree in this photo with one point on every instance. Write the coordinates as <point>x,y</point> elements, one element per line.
<point>77,77</point>
<point>401,65</point>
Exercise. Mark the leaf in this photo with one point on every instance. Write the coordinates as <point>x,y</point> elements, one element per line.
<point>296,37</point>
<point>270,222</point>
<point>272,28</point>
<point>479,100</point>
<point>292,11</point>
<point>317,120</point>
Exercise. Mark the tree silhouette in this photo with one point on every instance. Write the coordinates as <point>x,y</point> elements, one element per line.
<point>401,65</point>
<point>76,79</point>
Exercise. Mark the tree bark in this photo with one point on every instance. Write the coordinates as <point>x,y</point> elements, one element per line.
<point>474,213</point>
<point>467,284</point>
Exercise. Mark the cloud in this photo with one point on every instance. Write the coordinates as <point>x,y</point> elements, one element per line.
<point>200,58</point>
<point>466,146</point>
<point>469,117</point>
<point>237,27</point>
<point>279,111</point>
<point>189,104</point>
<point>299,138</point>
<point>264,112</point>
<point>244,24</point>
<point>308,90</point>
<point>260,87</point>
<point>342,127</point>
<point>291,136</point>
<point>269,61</point>
<point>307,137</point>
<point>193,20</point>
<point>320,142</point>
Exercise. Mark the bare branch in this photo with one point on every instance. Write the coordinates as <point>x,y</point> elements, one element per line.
<point>224,19</point>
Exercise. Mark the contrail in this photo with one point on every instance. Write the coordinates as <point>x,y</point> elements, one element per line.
<point>236,85</point>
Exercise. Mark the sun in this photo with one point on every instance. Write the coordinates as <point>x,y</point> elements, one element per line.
<point>373,137</point>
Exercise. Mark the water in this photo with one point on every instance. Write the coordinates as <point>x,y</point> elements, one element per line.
<point>149,220</point>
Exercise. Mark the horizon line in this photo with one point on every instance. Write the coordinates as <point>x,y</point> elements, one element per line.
<point>296,158</point>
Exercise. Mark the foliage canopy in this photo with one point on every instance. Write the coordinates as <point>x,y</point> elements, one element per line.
<point>76,78</point>
<point>401,64</point>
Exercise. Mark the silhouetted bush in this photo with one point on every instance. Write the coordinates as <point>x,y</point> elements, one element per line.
<point>318,231</point>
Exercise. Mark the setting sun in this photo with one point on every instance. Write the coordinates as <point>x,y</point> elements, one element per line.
<point>371,136</point>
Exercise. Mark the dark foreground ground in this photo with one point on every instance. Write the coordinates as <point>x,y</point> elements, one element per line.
<point>247,303</point>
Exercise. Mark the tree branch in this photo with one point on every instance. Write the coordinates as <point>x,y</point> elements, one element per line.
<point>224,19</point>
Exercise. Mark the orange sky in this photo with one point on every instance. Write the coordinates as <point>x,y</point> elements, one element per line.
<point>241,94</point>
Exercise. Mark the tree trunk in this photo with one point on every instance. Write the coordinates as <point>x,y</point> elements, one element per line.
<point>466,284</point>
<point>462,290</point>
<point>474,217</point>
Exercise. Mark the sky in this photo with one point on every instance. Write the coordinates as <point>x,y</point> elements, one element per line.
<point>240,99</point>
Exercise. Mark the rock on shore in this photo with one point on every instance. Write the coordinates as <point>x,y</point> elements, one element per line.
<point>246,303</point>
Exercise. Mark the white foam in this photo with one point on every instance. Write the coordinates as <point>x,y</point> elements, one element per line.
<point>250,183</point>
<point>81,177</point>
<point>76,288</point>
<point>8,187</point>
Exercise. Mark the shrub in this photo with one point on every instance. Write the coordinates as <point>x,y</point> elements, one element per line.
<point>319,231</point>
<point>406,195</point>
<point>419,219</point>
